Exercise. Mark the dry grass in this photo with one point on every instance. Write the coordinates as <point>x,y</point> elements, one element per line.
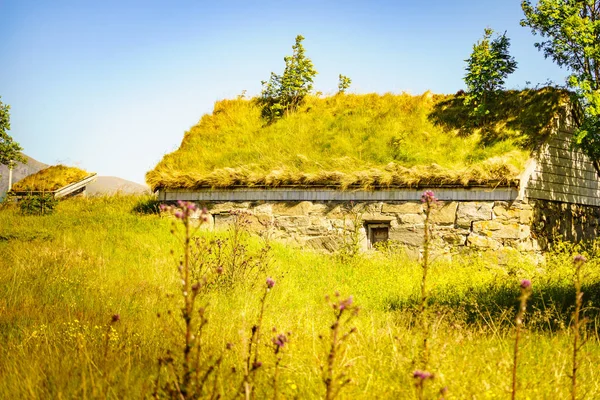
<point>361,141</point>
<point>50,179</point>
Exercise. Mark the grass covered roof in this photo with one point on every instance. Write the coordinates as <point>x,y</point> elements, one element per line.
<point>362,141</point>
<point>50,179</point>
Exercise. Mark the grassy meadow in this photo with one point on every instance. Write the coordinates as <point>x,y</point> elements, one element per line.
<point>90,299</point>
<point>367,140</point>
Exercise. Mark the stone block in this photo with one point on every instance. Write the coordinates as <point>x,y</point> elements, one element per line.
<point>377,217</point>
<point>518,212</point>
<point>526,217</point>
<point>228,206</point>
<point>329,243</point>
<point>412,219</point>
<point>403,208</point>
<point>302,208</point>
<point>412,236</point>
<point>318,209</point>
<point>468,212</point>
<point>454,238</point>
<point>444,214</point>
<point>266,208</point>
<point>501,230</point>
<point>483,242</point>
<point>223,221</point>
<point>292,222</point>
<point>368,208</point>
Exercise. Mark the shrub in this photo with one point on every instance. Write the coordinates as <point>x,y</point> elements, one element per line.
<point>38,204</point>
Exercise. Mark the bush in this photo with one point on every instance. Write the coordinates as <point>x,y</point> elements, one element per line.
<point>38,204</point>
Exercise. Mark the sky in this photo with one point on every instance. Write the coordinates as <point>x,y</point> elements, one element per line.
<point>112,86</point>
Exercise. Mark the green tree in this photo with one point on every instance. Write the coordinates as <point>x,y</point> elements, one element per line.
<point>571,38</point>
<point>343,83</point>
<point>10,151</point>
<point>283,93</point>
<point>487,68</point>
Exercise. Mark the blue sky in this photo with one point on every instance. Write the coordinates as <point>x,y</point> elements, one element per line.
<point>111,86</point>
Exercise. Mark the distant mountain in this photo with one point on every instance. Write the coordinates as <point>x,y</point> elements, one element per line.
<point>111,184</point>
<point>20,171</point>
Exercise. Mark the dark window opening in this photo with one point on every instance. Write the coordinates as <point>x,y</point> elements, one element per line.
<point>377,233</point>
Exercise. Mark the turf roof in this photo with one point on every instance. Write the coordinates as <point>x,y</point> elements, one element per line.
<point>362,141</point>
<point>50,179</point>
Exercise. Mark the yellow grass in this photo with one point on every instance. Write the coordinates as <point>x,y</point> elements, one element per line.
<point>366,141</point>
<point>50,179</point>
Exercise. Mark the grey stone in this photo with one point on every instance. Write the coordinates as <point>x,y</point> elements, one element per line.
<point>501,230</point>
<point>403,208</point>
<point>301,208</point>
<point>412,236</point>
<point>483,242</point>
<point>413,219</point>
<point>329,243</point>
<point>443,214</point>
<point>468,212</point>
<point>292,222</point>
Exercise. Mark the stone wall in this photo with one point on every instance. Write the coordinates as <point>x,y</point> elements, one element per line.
<point>565,221</point>
<point>457,226</point>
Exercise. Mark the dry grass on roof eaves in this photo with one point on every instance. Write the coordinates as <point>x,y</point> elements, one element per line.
<point>50,179</point>
<point>371,140</point>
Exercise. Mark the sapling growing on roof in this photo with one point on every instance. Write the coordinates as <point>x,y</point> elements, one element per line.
<point>282,94</point>
<point>487,68</point>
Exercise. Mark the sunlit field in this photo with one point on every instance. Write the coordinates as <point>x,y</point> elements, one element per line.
<point>91,300</point>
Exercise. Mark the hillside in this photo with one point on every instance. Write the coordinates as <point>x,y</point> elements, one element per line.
<point>367,141</point>
<point>110,185</point>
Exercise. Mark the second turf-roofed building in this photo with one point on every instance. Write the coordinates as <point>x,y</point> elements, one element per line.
<point>357,165</point>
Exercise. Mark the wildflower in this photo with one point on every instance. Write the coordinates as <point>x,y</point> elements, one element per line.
<point>346,303</point>
<point>525,284</point>
<point>270,283</point>
<point>422,375</point>
<point>428,197</point>
<point>178,214</point>
<point>579,259</point>
<point>256,365</point>
<point>280,340</point>
<point>116,318</point>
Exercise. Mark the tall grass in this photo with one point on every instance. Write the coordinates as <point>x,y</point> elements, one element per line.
<point>63,277</point>
<point>360,141</point>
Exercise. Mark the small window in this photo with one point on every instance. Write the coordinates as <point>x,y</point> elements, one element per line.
<point>377,233</point>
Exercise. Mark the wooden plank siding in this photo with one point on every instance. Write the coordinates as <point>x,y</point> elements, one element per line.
<point>322,194</point>
<point>563,173</point>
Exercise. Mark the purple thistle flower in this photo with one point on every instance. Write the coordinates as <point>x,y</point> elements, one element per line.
<point>280,340</point>
<point>579,259</point>
<point>428,197</point>
<point>422,375</point>
<point>256,365</point>
<point>270,283</point>
<point>178,215</point>
<point>346,303</point>
<point>525,284</point>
